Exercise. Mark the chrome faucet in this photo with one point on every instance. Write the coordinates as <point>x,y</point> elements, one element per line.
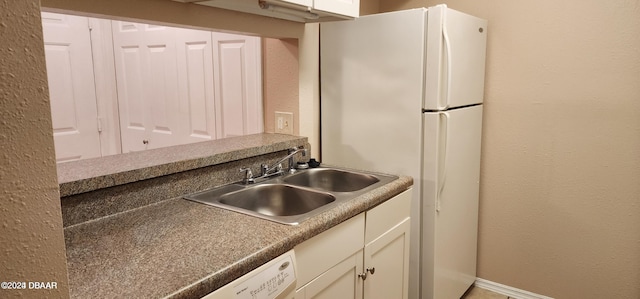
<point>248,176</point>
<point>268,171</point>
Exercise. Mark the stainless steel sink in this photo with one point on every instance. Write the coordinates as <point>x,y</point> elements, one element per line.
<point>293,198</point>
<point>332,180</point>
<point>277,200</point>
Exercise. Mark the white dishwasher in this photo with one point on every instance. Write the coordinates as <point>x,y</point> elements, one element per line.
<point>274,280</point>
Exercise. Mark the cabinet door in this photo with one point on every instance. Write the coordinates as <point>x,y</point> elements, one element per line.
<point>307,3</point>
<point>349,8</point>
<point>341,281</point>
<point>386,261</point>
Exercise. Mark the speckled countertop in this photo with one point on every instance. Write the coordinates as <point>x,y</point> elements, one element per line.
<point>182,249</point>
<point>98,173</point>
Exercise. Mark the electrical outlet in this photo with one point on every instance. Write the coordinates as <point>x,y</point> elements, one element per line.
<point>284,123</point>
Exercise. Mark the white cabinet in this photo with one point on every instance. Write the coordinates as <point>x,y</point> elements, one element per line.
<point>347,8</point>
<point>364,257</point>
<point>293,10</point>
<point>308,3</point>
<point>387,262</point>
<point>340,281</point>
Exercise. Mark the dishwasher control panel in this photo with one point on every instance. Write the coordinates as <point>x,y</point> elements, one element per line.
<point>274,280</point>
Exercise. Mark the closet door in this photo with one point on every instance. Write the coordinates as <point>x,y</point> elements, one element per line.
<point>147,80</point>
<point>237,70</point>
<point>67,45</point>
<point>195,82</point>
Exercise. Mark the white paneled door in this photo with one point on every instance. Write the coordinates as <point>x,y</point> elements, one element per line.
<point>146,76</point>
<point>195,82</point>
<point>177,86</point>
<point>237,68</point>
<point>174,85</point>
<point>74,113</point>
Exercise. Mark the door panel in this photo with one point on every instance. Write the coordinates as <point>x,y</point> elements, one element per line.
<point>156,85</point>
<point>388,258</point>
<point>344,7</point>
<point>341,281</point>
<point>237,71</point>
<point>147,80</point>
<point>307,3</point>
<point>74,113</point>
<point>195,67</point>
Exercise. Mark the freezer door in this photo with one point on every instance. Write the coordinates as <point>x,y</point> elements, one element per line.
<point>456,50</point>
<point>451,175</point>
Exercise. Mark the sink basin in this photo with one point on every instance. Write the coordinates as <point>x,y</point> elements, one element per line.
<point>292,198</point>
<point>332,180</point>
<point>277,200</point>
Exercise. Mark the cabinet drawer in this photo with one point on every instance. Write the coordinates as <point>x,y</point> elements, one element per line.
<point>329,248</point>
<point>387,215</point>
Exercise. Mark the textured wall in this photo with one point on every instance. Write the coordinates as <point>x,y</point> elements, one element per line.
<point>560,186</point>
<point>31,238</point>
<point>280,81</point>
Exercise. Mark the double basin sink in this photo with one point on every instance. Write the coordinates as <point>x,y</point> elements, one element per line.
<point>293,198</point>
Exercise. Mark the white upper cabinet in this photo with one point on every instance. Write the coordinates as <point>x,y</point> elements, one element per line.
<point>350,8</point>
<point>293,10</point>
<point>308,3</point>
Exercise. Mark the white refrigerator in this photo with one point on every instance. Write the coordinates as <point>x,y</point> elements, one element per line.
<point>402,93</point>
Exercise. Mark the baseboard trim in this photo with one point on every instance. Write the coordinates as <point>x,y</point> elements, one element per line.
<point>507,290</point>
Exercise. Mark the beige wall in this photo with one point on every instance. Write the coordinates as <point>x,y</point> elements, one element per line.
<point>560,189</point>
<point>31,238</point>
<point>280,81</point>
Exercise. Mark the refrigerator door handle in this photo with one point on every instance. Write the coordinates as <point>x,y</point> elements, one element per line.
<point>442,156</point>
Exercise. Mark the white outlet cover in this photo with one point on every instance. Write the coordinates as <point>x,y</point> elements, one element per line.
<point>284,123</point>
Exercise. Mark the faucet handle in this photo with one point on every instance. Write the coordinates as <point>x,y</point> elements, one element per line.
<point>297,149</point>
<point>248,175</point>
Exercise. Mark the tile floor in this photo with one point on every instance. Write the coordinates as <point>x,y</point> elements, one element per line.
<point>478,293</point>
